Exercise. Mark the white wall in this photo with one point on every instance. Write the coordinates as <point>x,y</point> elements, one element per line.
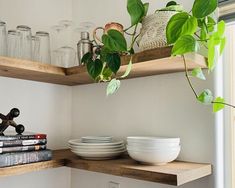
<point>160,105</point>
<point>44,107</point>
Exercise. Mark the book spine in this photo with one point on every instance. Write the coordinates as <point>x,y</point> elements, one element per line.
<point>9,143</point>
<point>22,148</point>
<point>12,159</point>
<point>23,137</point>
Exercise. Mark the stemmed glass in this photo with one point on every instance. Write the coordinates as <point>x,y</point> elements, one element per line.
<point>63,55</point>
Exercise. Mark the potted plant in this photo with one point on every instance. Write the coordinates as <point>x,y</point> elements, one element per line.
<point>185,31</point>
<point>153,30</point>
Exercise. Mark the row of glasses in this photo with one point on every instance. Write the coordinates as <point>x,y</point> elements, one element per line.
<point>20,43</point>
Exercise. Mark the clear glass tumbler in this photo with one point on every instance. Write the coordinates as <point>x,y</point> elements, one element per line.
<point>44,55</point>
<point>13,47</point>
<point>35,48</point>
<point>65,57</point>
<point>3,39</point>
<point>25,42</point>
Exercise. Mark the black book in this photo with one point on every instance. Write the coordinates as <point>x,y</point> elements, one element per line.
<point>22,148</point>
<point>19,158</point>
<point>10,143</point>
<point>24,136</point>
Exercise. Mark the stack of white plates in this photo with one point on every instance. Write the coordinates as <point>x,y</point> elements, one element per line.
<point>93,150</point>
<point>96,139</point>
<point>153,150</point>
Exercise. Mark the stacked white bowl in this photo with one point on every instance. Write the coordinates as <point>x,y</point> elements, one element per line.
<point>153,150</point>
<point>97,147</point>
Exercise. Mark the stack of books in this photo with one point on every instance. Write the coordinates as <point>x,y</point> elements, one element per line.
<point>23,149</point>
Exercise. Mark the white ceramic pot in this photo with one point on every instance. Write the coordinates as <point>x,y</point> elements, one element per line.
<point>153,31</point>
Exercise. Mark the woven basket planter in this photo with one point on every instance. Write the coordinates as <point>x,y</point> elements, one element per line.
<point>153,31</point>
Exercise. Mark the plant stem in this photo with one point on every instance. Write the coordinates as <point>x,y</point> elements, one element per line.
<point>187,76</point>
<point>128,28</point>
<point>201,40</point>
<point>226,104</point>
<point>134,37</point>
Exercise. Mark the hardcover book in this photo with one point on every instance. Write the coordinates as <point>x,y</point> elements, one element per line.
<point>22,148</point>
<point>12,159</point>
<point>9,143</point>
<point>24,136</point>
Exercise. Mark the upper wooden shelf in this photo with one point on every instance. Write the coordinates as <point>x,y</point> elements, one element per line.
<point>175,173</point>
<point>147,63</point>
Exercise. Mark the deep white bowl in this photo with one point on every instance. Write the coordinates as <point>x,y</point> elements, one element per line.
<point>154,157</point>
<point>150,140</point>
<point>153,145</point>
<point>152,148</point>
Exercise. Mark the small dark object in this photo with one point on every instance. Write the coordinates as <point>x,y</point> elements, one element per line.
<point>8,121</point>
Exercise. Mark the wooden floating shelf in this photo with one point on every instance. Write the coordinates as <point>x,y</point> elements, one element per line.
<point>147,63</point>
<point>175,173</point>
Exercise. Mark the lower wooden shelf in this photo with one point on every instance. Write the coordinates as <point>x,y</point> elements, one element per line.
<point>175,173</point>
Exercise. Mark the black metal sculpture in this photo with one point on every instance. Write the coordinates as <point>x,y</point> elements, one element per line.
<point>8,121</point>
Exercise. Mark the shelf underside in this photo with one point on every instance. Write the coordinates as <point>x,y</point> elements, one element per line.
<point>175,173</point>
<point>147,63</point>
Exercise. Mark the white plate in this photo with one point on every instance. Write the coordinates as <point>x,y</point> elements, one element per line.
<point>97,147</point>
<point>98,156</point>
<point>99,150</point>
<point>78,142</point>
<point>97,138</point>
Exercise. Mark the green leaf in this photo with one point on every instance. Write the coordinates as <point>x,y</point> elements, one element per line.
<point>170,3</point>
<point>113,86</point>
<point>221,28</point>
<point>113,62</point>
<point>212,52</point>
<point>218,104</point>
<point>87,58</point>
<point>190,26</point>
<point>114,41</point>
<point>180,24</point>
<point>203,8</point>
<point>205,97</point>
<point>146,8</point>
<point>197,72</point>
<point>177,8</point>
<point>107,74</point>
<point>210,24</point>
<point>136,10</point>
<point>222,45</point>
<point>94,68</point>
<point>185,44</point>
<point>128,69</point>
<point>203,33</point>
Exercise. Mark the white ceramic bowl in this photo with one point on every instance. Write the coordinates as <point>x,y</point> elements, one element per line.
<point>151,140</point>
<point>155,157</point>
<point>152,148</point>
<point>153,145</point>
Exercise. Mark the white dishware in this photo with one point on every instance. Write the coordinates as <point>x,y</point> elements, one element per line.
<point>79,143</point>
<point>153,150</point>
<point>97,148</point>
<point>142,139</point>
<point>96,139</point>
<point>155,157</point>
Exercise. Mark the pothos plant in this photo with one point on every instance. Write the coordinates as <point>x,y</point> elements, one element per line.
<point>104,63</point>
<point>190,31</point>
<point>186,31</point>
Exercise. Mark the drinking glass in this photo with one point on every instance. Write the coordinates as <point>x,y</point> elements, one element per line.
<point>35,48</point>
<point>3,39</point>
<point>13,49</point>
<point>65,57</point>
<point>44,55</point>
<point>25,41</point>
